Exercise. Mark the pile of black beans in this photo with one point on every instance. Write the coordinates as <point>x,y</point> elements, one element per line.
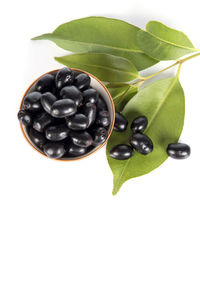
<point>64,116</point>
<point>141,142</point>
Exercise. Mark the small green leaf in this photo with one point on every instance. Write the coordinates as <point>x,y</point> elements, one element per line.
<point>164,43</point>
<point>163,103</point>
<point>121,95</point>
<point>106,67</point>
<point>99,34</point>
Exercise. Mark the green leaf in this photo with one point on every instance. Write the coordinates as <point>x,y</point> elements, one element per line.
<point>164,43</point>
<point>106,67</point>
<point>121,95</point>
<point>163,103</point>
<point>99,34</point>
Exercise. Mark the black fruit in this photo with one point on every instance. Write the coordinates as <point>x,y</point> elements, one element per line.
<point>73,93</point>
<point>77,122</point>
<point>63,108</point>
<point>178,150</point>
<point>47,100</point>
<point>24,117</point>
<point>141,143</point>
<point>90,110</point>
<point>45,83</point>
<point>64,77</point>
<point>101,105</point>
<point>139,124</point>
<point>120,122</point>
<point>37,138</point>
<point>74,150</point>
<point>32,101</point>
<point>54,150</point>
<point>90,95</point>
<point>99,135</point>
<point>42,121</point>
<point>82,81</point>
<point>121,152</point>
<point>82,139</point>
<point>103,118</point>
<point>56,133</point>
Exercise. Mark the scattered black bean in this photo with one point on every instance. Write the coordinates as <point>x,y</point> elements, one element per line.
<point>178,150</point>
<point>120,122</point>
<point>121,152</point>
<point>141,143</point>
<point>139,124</point>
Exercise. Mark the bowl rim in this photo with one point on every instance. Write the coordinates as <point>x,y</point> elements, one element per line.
<point>98,147</point>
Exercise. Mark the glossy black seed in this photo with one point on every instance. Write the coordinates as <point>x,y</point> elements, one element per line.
<point>32,101</point>
<point>45,83</point>
<point>24,117</point>
<point>37,138</point>
<point>54,150</point>
<point>141,143</point>
<point>89,110</point>
<point>99,135</point>
<point>139,124</point>
<point>82,139</point>
<point>77,122</point>
<point>178,150</point>
<point>56,133</point>
<point>103,118</point>
<point>73,93</point>
<point>120,122</point>
<point>82,81</point>
<point>63,108</point>
<point>64,77</point>
<point>101,105</point>
<point>121,152</point>
<point>74,150</point>
<point>90,95</point>
<point>47,100</point>
<point>42,121</point>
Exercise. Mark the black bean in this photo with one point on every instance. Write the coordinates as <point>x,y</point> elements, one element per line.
<point>47,100</point>
<point>82,81</point>
<point>120,122</point>
<point>178,150</point>
<point>64,77</point>
<point>45,83</point>
<point>99,135</point>
<point>103,118</point>
<point>141,143</point>
<point>63,108</point>
<point>77,122</point>
<point>37,138</point>
<point>54,150</point>
<point>42,121</point>
<point>24,117</point>
<point>56,133</point>
<point>89,110</point>
<point>82,139</point>
<point>139,124</point>
<point>90,95</point>
<point>74,150</point>
<point>73,93</point>
<point>121,152</point>
<point>32,101</point>
<point>101,105</point>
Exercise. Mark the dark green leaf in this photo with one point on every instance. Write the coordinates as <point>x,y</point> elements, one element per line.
<point>99,34</point>
<point>121,95</point>
<point>164,43</point>
<point>163,103</point>
<point>106,67</point>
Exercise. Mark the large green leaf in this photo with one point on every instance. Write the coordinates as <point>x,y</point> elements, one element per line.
<point>121,95</point>
<point>99,34</point>
<point>106,67</point>
<point>164,43</point>
<point>163,103</point>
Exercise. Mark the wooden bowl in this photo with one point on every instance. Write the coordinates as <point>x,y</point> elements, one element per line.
<point>101,89</point>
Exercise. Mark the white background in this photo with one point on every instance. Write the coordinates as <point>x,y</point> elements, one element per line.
<point>62,233</point>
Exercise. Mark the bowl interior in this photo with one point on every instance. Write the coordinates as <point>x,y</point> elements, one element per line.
<point>96,84</point>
